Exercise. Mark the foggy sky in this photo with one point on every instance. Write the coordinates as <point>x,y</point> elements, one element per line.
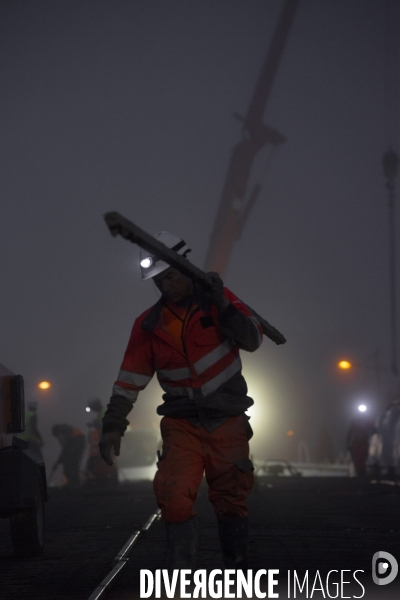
<point>128,106</point>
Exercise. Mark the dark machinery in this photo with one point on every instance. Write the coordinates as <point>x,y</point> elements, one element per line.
<point>23,489</point>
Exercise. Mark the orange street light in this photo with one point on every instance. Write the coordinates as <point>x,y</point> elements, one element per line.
<point>344,364</point>
<point>44,385</point>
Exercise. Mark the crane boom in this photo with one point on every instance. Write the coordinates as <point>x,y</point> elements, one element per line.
<point>232,209</point>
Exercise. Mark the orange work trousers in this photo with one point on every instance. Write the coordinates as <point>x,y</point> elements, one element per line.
<point>188,452</point>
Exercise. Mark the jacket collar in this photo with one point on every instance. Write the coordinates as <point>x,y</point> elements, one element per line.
<point>153,317</point>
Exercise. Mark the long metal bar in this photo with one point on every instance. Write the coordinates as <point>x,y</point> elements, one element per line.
<point>108,581</point>
<point>123,553</point>
<point>121,559</point>
<point>150,521</point>
<point>119,225</point>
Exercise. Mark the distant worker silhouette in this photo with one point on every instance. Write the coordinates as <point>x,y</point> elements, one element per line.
<point>191,339</point>
<point>96,469</point>
<point>389,433</point>
<point>32,434</point>
<point>360,432</point>
<point>72,446</point>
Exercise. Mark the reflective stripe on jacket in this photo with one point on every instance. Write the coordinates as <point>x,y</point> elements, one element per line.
<point>200,374</point>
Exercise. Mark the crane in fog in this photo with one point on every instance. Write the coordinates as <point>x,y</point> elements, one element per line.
<point>233,209</point>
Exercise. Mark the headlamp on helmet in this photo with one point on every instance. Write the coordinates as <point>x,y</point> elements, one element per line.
<point>146,263</point>
<point>150,266</point>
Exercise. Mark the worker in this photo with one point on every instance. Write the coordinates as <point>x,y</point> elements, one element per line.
<point>359,435</point>
<point>96,407</point>
<point>388,429</point>
<point>31,434</point>
<point>191,339</point>
<point>96,470</point>
<point>72,443</point>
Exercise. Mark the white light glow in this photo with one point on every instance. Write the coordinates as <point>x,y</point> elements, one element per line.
<point>87,409</point>
<point>362,408</point>
<point>258,389</point>
<point>146,262</point>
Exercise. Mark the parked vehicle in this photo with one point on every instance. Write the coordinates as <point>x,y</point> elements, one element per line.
<point>23,489</point>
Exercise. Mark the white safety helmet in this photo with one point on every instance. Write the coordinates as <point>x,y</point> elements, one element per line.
<point>150,266</point>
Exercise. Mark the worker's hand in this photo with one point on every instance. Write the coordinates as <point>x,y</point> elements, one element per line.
<point>217,291</point>
<point>107,442</point>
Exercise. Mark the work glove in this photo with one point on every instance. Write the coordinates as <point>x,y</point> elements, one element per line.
<point>107,442</point>
<point>217,291</point>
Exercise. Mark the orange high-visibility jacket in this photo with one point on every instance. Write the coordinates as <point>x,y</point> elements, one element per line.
<point>199,371</point>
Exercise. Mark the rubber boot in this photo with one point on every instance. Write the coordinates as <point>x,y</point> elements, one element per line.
<point>182,544</point>
<point>234,539</point>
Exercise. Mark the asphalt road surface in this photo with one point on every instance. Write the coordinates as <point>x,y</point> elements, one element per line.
<point>319,534</point>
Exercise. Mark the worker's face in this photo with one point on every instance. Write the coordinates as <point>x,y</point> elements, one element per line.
<point>174,286</point>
